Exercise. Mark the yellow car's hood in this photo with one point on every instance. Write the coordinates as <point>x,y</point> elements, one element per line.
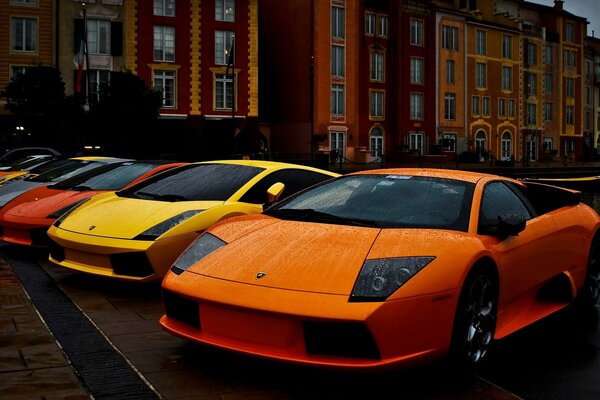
<point>125,218</point>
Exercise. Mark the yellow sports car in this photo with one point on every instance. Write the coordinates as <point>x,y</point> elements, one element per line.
<point>137,233</point>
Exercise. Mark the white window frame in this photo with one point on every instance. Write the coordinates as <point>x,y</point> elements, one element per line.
<point>416,32</point>
<point>511,108</point>
<point>24,34</point>
<point>450,72</point>
<point>376,103</point>
<point>548,111</point>
<point>382,26</point>
<point>164,43</point>
<point>370,21</point>
<point>337,99</point>
<point>337,142</point>
<point>531,84</point>
<point>570,115</point>
<point>416,105</point>
<point>376,140</point>
<point>506,146</point>
<point>480,42</point>
<point>481,75</point>
<point>502,108</point>
<point>417,67</point>
<point>480,144</point>
<point>338,22</point>
<point>507,44</point>
<point>223,41</point>
<point>450,106</point>
<point>506,78</point>
<point>377,66</point>
<point>165,80</point>
<point>570,87</point>
<point>450,37</point>
<point>225,10</point>
<point>415,141</point>
<point>165,8</point>
<point>486,106</point>
<point>98,36</point>
<point>548,83</point>
<point>223,92</point>
<point>476,105</point>
<point>337,60</point>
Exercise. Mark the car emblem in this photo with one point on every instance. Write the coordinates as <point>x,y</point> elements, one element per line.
<point>92,227</point>
<point>261,275</point>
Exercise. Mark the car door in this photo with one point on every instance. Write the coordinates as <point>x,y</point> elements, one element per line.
<point>526,261</point>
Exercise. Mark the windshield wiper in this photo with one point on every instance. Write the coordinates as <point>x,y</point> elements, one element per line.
<point>161,197</point>
<point>81,188</point>
<point>308,214</point>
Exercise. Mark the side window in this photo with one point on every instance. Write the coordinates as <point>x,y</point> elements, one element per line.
<point>499,199</point>
<point>293,179</point>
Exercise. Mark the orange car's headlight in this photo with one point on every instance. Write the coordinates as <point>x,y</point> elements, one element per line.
<point>200,248</point>
<point>379,278</point>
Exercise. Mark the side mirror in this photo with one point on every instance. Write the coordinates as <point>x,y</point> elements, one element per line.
<point>507,225</point>
<point>274,192</point>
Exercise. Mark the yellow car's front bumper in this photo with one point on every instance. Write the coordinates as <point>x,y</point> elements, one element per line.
<point>126,259</point>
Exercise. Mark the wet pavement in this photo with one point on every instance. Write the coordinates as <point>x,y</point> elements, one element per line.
<point>68,335</point>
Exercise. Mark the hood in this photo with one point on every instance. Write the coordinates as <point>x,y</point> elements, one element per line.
<point>125,218</point>
<point>9,192</point>
<point>43,206</point>
<point>294,255</point>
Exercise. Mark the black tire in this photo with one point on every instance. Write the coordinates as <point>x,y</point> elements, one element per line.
<point>475,320</point>
<point>589,294</point>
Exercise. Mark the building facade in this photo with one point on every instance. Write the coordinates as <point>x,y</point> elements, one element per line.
<point>354,82</point>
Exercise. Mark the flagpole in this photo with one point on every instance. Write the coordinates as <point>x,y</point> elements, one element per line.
<point>231,62</point>
<point>87,59</point>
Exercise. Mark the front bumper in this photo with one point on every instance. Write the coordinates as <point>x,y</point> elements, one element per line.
<point>308,328</point>
<point>132,260</point>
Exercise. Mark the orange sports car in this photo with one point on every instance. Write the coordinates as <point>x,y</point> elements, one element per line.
<point>387,268</point>
<point>26,218</point>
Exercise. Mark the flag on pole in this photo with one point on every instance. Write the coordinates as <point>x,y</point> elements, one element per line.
<point>79,60</point>
<point>230,58</point>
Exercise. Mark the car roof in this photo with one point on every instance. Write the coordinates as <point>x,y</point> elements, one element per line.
<point>467,176</point>
<point>268,165</point>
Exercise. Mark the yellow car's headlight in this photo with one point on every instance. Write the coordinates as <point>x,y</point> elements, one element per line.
<point>62,213</point>
<point>160,228</point>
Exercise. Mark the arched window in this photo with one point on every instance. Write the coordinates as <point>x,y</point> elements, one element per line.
<point>506,146</point>
<point>376,142</point>
<point>480,146</point>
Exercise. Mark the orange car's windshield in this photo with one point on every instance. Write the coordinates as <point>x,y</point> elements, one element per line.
<point>387,201</point>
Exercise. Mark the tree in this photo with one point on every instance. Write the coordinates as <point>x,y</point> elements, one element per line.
<point>40,90</point>
<point>36,100</point>
<point>126,112</point>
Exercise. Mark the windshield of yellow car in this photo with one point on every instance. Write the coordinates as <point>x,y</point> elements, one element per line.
<point>194,182</point>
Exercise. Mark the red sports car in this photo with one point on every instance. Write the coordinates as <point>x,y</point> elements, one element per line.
<point>26,218</point>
